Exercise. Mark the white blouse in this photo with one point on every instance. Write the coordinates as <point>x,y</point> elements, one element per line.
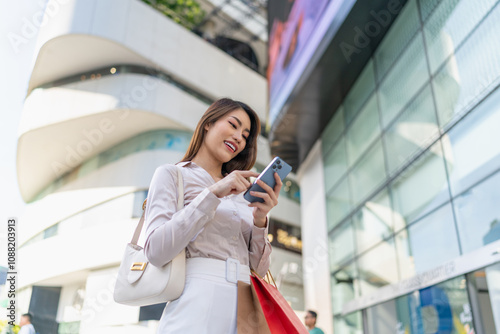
<point>211,227</point>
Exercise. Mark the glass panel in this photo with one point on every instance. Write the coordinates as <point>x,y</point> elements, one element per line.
<point>493,279</point>
<point>373,222</point>
<point>403,81</point>
<point>341,245</point>
<point>482,306</point>
<point>118,208</point>
<point>333,130</point>
<point>413,130</point>
<point>50,231</point>
<point>422,186</point>
<point>378,267</point>
<point>350,324</point>
<point>445,308</point>
<point>478,216</point>
<point>406,309</point>
<point>368,173</point>
<point>344,287</point>
<point>364,86</point>
<point>155,140</point>
<point>338,204</point>
<point>442,308</point>
<point>172,140</point>
<point>405,259</point>
<point>364,130</point>
<point>428,6</point>
<point>382,318</point>
<point>396,40</point>
<point>450,24</point>
<point>433,240</point>
<point>472,146</point>
<point>472,73</point>
<point>335,164</point>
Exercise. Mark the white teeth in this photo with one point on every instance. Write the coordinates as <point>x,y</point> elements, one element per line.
<point>230,145</point>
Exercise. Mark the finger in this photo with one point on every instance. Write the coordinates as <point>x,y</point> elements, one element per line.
<point>268,190</point>
<point>268,201</point>
<point>261,206</point>
<point>245,182</point>
<point>260,209</point>
<point>247,173</point>
<point>264,186</point>
<point>241,184</point>
<point>279,184</point>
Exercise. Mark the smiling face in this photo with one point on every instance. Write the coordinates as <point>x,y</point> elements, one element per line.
<point>228,136</point>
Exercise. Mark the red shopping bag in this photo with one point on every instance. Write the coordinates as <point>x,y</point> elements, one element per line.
<point>280,317</point>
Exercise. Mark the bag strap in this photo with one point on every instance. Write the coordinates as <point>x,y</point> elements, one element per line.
<point>268,278</point>
<point>180,205</point>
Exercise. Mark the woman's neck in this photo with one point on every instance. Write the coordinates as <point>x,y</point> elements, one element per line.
<point>208,163</point>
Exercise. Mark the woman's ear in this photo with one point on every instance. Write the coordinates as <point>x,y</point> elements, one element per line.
<point>207,126</point>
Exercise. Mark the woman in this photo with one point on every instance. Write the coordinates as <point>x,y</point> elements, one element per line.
<point>224,235</point>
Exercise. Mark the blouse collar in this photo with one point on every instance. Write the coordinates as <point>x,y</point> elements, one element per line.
<point>184,163</point>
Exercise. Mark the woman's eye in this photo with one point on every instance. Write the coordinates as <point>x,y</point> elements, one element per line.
<point>234,126</point>
<point>246,138</point>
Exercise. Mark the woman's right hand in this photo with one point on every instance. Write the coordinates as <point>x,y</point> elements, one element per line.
<point>233,183</point>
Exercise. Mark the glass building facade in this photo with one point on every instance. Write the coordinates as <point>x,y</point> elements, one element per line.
<point>412,172</point>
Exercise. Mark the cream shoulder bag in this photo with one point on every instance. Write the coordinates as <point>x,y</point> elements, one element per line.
<point>140,283</point>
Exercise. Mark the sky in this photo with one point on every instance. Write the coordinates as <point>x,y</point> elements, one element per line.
<point>16,61</point>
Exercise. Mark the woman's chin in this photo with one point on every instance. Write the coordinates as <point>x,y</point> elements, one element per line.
<point>228,158</point>
<point>225,158</point>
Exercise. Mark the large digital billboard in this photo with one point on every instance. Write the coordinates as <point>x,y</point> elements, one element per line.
<point>291,24</point>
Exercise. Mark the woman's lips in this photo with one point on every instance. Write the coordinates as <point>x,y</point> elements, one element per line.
<point>231,146</point>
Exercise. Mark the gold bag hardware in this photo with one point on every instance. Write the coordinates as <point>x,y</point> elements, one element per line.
<point>138,266</point>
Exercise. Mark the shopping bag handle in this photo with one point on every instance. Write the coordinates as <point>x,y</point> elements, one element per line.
<point>268,277</point>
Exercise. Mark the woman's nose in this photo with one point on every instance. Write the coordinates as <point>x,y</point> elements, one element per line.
<point>237,135</point>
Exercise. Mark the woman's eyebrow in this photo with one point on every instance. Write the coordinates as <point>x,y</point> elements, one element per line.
<point>239,122</point>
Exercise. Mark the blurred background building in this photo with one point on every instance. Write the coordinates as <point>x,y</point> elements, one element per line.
<point>116,90</point>
<point>389,112</point>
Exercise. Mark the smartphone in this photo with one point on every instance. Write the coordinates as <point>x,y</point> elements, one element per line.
<point>276,165</point>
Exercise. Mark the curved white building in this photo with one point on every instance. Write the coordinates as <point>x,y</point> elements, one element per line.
<point>116,90</point>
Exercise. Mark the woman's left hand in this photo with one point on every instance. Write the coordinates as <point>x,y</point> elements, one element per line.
<point>270,197</point>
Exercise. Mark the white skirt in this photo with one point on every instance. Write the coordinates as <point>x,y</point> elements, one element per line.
<point>209,301</point>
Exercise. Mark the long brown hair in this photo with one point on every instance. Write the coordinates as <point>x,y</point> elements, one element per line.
<point>246,158</point>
